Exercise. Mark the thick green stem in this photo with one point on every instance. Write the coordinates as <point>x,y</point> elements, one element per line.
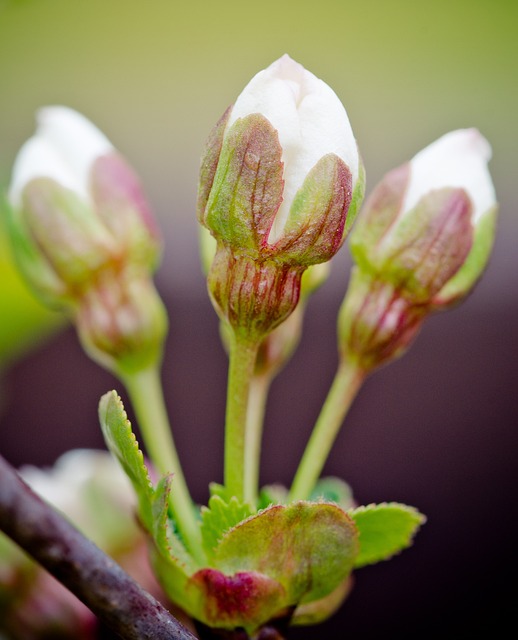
<point>243,353</point>
<point>257,396</point>
<point>146,394</point>
<point>347,382</point>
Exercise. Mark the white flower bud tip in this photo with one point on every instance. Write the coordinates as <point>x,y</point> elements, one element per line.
<point>63,148</point>
<point>310,120</point>
<point>457,159</point>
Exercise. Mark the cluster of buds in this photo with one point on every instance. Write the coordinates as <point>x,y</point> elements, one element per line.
<point>281,181</point>
<point>85,239</point>
<point>421,243</point>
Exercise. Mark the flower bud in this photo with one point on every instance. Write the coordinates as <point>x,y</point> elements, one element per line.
<point>421,243</point>
<point>82,231</point>
<point>280,183</point>
<point>278,346</point>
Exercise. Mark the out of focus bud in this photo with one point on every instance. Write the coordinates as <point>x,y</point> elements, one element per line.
<point>420,244</point>
<point>280,184</point>
<point>82,231</point>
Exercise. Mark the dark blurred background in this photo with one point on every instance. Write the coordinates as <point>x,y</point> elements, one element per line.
<point>438,428</point>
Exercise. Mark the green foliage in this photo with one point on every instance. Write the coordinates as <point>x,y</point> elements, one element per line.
<point>385,529</point>
<point>218,518</point>
<point>121,441</point>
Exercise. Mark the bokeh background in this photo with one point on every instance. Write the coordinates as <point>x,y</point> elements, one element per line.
<point>437,429</point>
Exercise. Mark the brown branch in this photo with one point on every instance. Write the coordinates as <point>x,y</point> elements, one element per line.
<point>98,581</point>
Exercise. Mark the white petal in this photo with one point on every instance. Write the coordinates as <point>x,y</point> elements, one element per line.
<point>38,159</point>
<point>457,159</point>
<point>63,148</point>
<point>309,118</point>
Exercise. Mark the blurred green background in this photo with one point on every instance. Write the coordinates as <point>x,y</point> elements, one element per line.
<point>439,430</point>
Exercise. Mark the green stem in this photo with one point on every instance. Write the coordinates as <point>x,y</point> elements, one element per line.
<point>243,354</point>
<point>346,384</point>
<point>257,396</point>
<point>146,394</point>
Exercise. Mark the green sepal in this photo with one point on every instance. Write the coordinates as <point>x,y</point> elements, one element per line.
<point>385,530</point>
<point>378,214</point>
<point>247,188</point>
<point>209,164</point>
<point>121,206</point>
<point>428,245</point>
<point>218,518</point>
<point>36,270</point>
<point>122,443</point>
<point>314,230</point>
<point>67,232</point>
<point>309,548</point>
<point>466,277</point>
<point>333,490</point>
<point>356,200</point>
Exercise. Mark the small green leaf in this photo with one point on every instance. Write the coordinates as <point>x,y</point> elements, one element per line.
<point>220,490</point>
<point>166,539</point>
<point>219,517</point>
<point>385,529</point>
<point>333,490</point>
<point>121,441</point>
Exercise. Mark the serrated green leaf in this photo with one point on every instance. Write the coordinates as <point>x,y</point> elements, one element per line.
<point>385,529</point>
<point>333,490</point>
<point>220,490</point>
<point>219,517</point>
<point>166,539</point>
<point>122,443</point>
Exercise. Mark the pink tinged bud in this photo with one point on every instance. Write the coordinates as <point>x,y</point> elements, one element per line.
<point>76,207</point>
<point>419,226</point>
<point>310,120</point>
<point>84,237</point>
<point>281,169</point>
<point>280,174</point>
